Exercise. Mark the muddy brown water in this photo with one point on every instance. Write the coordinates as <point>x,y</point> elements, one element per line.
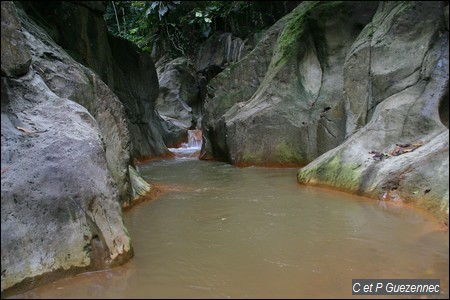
<point>218,231</point>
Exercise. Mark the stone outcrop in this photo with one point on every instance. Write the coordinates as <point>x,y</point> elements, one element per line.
<point>16,56</point>
<point>283,102</point>
<point>396,84</point>
<point>183,84</point>
<point>79,28</point>
<point>178,102</point>
<point>84,87</point>
<point>235,85</point>
<point>60,210</point>
<point>218,52</point>
<point>337,75</point>
<point>136,85</point>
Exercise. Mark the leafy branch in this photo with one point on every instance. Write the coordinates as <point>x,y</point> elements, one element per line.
<point>185,24</point>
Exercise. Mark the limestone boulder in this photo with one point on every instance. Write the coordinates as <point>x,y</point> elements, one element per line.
<point>16,57</point>
<point>387,57</point>
<point>60,210</point>
<point>178,102</point>
<point>61,170</point>
<point>69,79</point>
<point>396,82</point>
<point>286,105</point>
<point>219,51</point>
<point>234,86</point>
<point>79,28</point>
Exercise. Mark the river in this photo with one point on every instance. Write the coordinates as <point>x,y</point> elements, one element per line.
<point>219,231</point>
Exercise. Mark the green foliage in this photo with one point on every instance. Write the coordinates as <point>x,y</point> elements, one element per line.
<point>307,19</point>
<point>179,26</point>
<point>163,7</point>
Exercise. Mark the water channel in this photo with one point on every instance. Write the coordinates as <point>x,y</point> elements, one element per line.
<point>218,231</point>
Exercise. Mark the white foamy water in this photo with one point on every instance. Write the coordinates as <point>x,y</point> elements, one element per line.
<point>192,147</point>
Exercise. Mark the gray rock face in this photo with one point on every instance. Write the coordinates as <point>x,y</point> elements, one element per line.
<point>16,57</point>
<point>218,52</point>
<point>234,86</point>
<point>336,75</point>
<point>396,82</point>
<point>376,67</point>
<point>60,211</point>
<point>179,99</point>
<point>69,79</point>
<point>286,104</point>
<point>79,28</point>
<point>136,85</point>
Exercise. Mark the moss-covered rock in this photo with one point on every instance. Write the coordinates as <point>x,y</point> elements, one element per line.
<point>235,85</point>
<point>343,176</point>
<point>289,109</point>
<point>396,79</point>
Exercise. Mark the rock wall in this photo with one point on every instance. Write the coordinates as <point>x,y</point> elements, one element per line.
<point>183,83</point>
<point>183,87</point>
<point>367,81</point>
<point>78,27</point>
<point>136,85</point>
<point>80,85</point>
<point>60,210</point>
<point>396,84</point>
<point>218,52</point>
<point>233,87</point>
<point>16,56</point>
<point>178,102</point>
<point>283,103</point>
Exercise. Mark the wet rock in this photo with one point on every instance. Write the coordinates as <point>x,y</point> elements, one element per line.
<point>80,29</point>
<point>16,57</point>
<point>283,103</point>
<point>405,51</point>
<point>60,207</point>
<point>234,86</point>
<point>69,79</point>
<point>217,52</point>
<point>178,102</point>
<point>136,85</point>
<point>61,169</point>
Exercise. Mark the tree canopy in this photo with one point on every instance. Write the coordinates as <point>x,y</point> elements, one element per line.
<point>179,26</point>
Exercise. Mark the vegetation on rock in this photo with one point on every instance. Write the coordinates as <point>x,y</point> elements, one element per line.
<point>180,26</point>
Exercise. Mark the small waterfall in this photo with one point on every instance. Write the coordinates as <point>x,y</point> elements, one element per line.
<point>192,147</point>
<point>194,139</point>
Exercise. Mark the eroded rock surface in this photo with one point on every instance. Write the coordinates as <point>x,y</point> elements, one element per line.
<point>60,211</point>
<point>283,103</point>
<point>396,82</point>
<point>79,28</point>
<point>178,102</point>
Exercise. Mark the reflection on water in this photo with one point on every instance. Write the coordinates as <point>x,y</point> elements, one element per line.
<point>218,232</point>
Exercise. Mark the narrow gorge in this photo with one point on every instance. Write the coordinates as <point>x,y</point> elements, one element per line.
<point>344,96</point>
